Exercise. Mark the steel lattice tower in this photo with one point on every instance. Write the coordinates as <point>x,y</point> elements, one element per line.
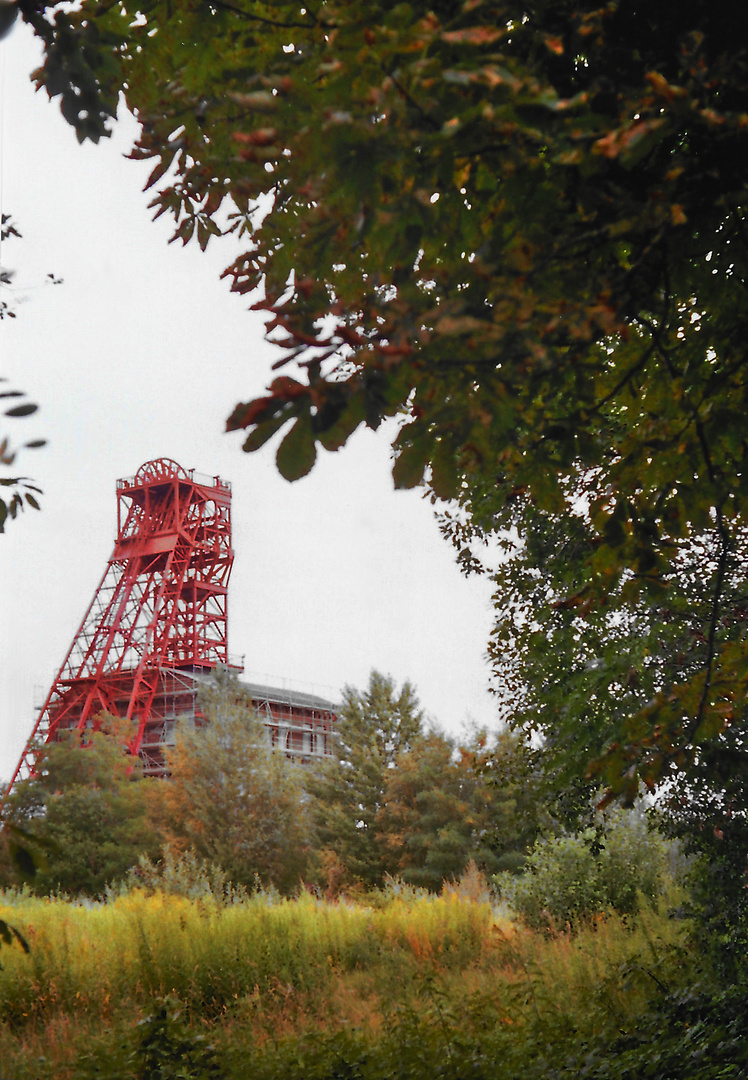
<point>157,619</point>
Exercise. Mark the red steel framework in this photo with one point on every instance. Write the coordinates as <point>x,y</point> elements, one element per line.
<point>158,617</point>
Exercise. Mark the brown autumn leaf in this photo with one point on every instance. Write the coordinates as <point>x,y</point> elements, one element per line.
<point>474,35</point>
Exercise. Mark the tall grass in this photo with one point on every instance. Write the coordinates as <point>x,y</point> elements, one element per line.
<point>303,981</point>
<point>139,947</point>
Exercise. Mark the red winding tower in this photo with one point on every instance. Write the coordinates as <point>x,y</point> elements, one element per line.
<point>157,620</point>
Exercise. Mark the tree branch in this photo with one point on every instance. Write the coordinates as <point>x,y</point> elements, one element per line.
<point>724,539</point>
<point>626,378</point>
<point>435,125</point>
<point>269,22</point>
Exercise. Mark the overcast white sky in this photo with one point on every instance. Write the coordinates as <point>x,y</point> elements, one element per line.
<point>142,353</point>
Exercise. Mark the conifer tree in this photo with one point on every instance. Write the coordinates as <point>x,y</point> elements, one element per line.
<point>427,822</point>
<point>445,805</point>
<point>375,728</point>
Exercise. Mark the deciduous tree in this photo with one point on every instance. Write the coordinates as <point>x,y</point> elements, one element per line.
<point>618,687</point>
<point>610,868</point>
<point>86,815</point>
<point>512,799</point>
<point>234,799</point>
<point>427,823</point>
<point>519,226</point>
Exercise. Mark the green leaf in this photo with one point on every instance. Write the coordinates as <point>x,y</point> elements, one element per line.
<point>411,464</point>
<point>614,533</point>
<point>20,939</point>
<point>445,479</point>
<point>338,433</point>
<point>264,430</point>
<point>298,452</point>
<point>251,412</point>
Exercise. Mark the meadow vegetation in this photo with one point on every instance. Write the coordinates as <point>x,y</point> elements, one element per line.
<point>156,985</point>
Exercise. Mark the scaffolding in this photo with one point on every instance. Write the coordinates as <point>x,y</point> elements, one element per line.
<point>302,725</point>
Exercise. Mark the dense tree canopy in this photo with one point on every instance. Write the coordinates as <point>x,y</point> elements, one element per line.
<point>236,812</point>
<point>610,683</point>
<point>427,822</point>
<point>519,225</point>
<point>415,804</point>
<point>444,805</point>
<point>86,816</point>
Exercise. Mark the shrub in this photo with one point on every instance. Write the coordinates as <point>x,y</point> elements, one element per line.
<point>567,878</point>
<point>634,860</point>
<point>165,1045</point>
<point>184,874</point>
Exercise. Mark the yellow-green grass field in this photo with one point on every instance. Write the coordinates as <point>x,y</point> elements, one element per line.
<point>411,987</point>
